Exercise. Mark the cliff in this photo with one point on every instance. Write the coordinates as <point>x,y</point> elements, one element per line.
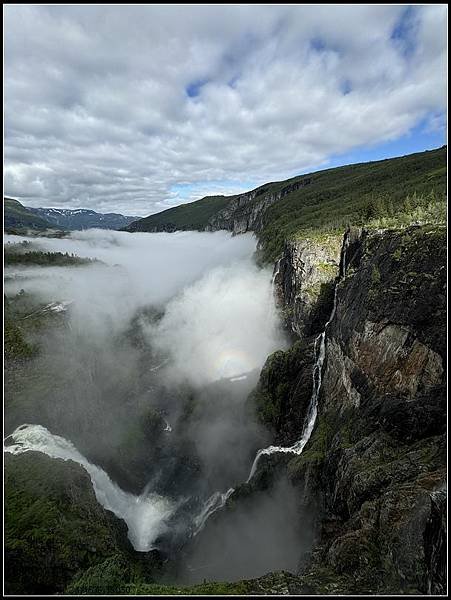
<point>371,481</point>
<point>304,281</point>
<point>375,464</point>
<point>246,212</point>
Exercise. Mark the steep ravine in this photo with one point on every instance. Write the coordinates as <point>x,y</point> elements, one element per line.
<point>377,456</point>
<point>367,493</point>
<point>372,477</point>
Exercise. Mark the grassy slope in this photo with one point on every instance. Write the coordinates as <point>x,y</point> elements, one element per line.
<point>195,215</point>
<point>186,216</point>
<point>17,216</point>
<point>384,193</point>
<point>365,193</point>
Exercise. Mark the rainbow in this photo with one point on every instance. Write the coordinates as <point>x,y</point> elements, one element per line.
<point>231,362</point>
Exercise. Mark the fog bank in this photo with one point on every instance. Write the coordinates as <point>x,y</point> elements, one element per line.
<point>149,364</point>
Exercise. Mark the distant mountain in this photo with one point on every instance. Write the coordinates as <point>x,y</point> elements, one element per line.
<point>82,218</point>
<point>17,216</point>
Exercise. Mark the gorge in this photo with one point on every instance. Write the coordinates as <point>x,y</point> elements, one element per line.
<point>248,426</point>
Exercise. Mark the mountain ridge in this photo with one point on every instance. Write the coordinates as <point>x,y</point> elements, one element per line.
<point>16,215</point>
<point>330,199</point>
<point>82,218</point>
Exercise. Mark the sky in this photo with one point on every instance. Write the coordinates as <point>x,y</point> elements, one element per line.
<point>135,109</point>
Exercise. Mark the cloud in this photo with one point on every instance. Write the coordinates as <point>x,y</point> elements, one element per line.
<point>114,107</point>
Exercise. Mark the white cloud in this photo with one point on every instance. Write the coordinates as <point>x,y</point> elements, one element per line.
<point>98,114</point>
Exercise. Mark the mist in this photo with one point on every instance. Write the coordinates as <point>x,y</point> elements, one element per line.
<point>266,532</point>
<point>138,270</point>
<point>148,365</point>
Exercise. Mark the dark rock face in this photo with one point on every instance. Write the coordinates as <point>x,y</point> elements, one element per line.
<point>376,461</point>
<point>284,390</point>
<point>435,545</point>
<point>247,211</point>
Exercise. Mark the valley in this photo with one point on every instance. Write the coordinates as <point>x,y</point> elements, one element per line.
<point>249,399</point>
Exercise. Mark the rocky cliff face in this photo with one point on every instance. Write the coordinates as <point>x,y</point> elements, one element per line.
<point>304,281</point>
<point>372,479</point>
<point>246,212</point>
<point>375,462</point>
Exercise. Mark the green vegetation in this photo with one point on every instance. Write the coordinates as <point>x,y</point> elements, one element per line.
<point>278,380</point>
<point>17,254</point>
<point>213,588</point>
<point>17,343</point>
<point>113,577</point>
<point>388,193</point>
<point>192,216</point>
<point>18,218</point>
<point>16,346</point>
<point>54,525</point>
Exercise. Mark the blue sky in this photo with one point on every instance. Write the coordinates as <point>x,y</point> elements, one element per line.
<point>420,138</point>
<point>136,109</point>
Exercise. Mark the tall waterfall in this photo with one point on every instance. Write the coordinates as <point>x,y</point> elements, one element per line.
<point>319,355</point>
<point>217,500</point>
<point>145,514</point>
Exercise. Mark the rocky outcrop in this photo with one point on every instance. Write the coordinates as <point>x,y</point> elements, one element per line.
<point>283,392</point>
<point>375,462</point>
<point>304,281</point>
<point>246,212</point>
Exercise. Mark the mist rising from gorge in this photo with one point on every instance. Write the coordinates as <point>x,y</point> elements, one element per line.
<point>149,376</point>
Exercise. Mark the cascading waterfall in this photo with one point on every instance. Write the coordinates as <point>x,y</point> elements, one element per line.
<point>217,500</point>
<point>276,270</point>
<point>319,355</point>
<point>214,503</point>
<point>145,515</point>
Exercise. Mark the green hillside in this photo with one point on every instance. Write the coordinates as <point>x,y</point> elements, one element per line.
<point>391,192</point>
<point>192,216</point>
<point>17,217</point>
<point>384,193</point>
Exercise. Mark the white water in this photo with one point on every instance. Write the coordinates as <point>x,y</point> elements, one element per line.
<point>214,503</point>
<point>276,271</point>
<point>319,354</point>
<point>145,515</point>
<point>298,446</point>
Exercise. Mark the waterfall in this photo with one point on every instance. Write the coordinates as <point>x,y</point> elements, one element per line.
<point>276,270</point>
<point>218,499</point>
<point>145,515</point>
<point>319,355</point>
<point>214,503</point>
